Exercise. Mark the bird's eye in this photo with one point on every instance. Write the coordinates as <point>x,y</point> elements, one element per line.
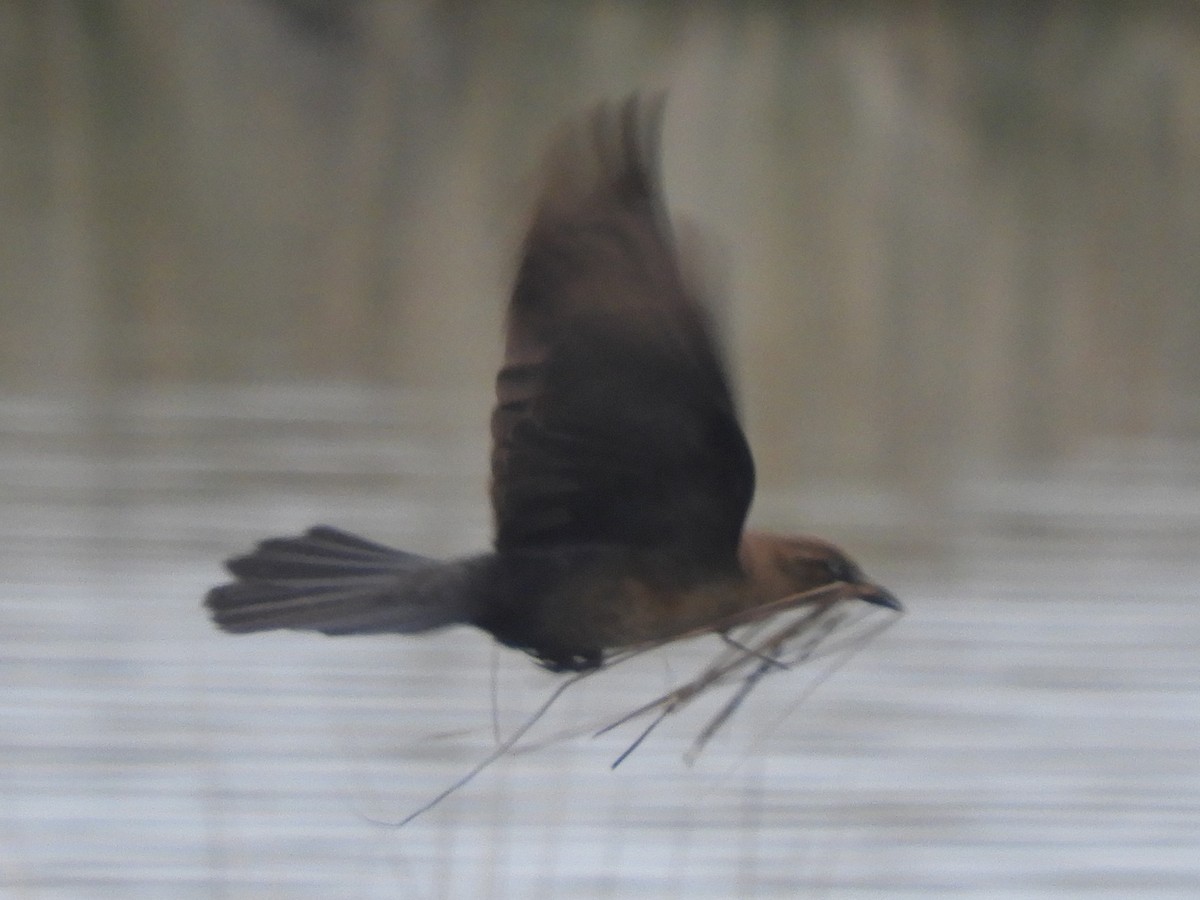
<point>842,570</point>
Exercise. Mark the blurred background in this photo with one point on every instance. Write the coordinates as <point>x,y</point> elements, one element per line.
<point>253,263</point>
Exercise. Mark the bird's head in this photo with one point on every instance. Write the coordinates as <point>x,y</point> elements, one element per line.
<point>781,566</point>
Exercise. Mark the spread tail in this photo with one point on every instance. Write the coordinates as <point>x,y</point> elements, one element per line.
<point>337,583</point>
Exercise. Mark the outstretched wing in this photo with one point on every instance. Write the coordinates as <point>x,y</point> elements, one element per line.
<point>614,421</point>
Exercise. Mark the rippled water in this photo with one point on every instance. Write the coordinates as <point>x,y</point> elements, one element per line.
<point>1030,728</point>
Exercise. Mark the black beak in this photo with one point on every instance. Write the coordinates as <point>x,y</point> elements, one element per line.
<point>874,594</point>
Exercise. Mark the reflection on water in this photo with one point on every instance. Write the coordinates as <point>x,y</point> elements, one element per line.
<point>1029,728</point>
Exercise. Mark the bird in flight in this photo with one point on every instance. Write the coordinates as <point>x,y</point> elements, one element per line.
<point>620,475</point>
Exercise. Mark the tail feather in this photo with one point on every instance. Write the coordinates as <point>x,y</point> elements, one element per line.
<point>337,583</point>
<point>320,552</point>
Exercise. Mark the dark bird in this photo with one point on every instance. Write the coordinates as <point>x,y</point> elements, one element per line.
<point>620,474</point>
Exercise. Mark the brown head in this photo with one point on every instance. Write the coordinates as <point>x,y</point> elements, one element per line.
<point>779,566</point>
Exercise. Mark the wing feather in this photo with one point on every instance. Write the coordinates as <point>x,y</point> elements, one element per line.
<point>614,421</point>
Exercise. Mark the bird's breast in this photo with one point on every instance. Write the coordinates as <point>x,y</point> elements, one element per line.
<point>590,601</point>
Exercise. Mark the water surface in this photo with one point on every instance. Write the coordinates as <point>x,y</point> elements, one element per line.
<point>1030,728</point>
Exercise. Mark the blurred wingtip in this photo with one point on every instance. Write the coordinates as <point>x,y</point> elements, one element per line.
<point>614,146</point>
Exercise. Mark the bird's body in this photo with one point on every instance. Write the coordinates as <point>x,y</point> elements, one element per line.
<point>620,474</point>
